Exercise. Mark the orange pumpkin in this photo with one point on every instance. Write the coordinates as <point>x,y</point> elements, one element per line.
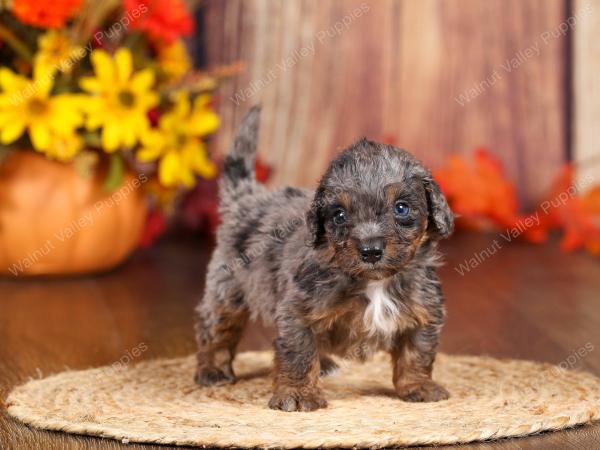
<point>53,221</point>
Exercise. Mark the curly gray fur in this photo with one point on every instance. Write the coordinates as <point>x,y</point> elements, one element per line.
<point>346,286</point>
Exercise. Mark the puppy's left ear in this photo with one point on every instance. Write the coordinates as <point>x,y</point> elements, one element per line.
<point>441,217</point>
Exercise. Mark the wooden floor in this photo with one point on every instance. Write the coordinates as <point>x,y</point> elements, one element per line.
<point>523,302</point>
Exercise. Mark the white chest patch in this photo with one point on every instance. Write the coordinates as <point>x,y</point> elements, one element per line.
<point>381,315</point>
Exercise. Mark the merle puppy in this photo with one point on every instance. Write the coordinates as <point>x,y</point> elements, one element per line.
<point>346,270</point>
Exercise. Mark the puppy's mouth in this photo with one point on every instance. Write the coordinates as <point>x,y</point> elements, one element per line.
<point>376,273</point>
<point>375,270</point>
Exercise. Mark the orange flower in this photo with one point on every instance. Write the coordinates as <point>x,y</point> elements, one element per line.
<point>45,13</point>
<point>590,205</point>
<point>482,197</point>
<point>577,214</point>
<point>478,191</point>
<point>549,218</point>
<point>163,20</point>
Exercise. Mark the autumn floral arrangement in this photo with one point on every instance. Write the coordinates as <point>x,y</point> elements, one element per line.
<point>83,81</point>
<point>484,198</point>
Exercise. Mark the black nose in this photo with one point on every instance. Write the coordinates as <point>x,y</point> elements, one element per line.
<point>372,251</point>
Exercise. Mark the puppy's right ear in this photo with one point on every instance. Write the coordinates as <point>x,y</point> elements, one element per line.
<point>315,220</point>
<point>441,217</point>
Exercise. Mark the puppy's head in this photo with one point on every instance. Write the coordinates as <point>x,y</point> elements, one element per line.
<point>375,206</point>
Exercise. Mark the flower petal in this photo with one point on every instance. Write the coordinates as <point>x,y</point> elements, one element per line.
<point>9,81</point>
<point>40,136</point>
<point>91,85</point>
<point>202,101</point>
<point>169,169</point>
<point>197,158</point>
<point>204,123</point>
<point>43,80</point>
<point>182,104</point>
<point>147,154</point>
<point>103,67</point>
<point>111,136</point>
<point>143,80</point>
<point>64,147</point>
<point>129,136</point>
<point>6,117</point>
<point>67,114</point>
<point>124,64</point>
<point>12,131</point>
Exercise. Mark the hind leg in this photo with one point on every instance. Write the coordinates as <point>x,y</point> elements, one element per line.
<point>220,321</point>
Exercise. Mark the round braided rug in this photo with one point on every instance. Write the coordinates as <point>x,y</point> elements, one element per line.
<point>157,402</point>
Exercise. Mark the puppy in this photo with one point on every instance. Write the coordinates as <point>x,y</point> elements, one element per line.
<point>346,270</point>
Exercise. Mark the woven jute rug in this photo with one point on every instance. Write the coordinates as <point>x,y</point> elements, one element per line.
<point>157,402</point>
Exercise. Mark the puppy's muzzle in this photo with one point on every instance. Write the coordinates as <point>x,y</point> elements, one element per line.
<point>371,250</point>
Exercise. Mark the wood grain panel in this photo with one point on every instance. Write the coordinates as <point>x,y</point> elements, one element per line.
<point>397,68</point>
<point>586,88</point>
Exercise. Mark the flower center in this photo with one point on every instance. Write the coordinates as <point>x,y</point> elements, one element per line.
<point>126,98</point>
<point>180,141</point>
<point>57,49</point>
<point>37,107</point>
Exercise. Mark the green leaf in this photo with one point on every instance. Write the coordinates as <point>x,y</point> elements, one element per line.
<point>115,172</point>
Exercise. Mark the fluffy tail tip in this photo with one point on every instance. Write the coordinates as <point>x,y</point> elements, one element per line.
<point>239,163</point>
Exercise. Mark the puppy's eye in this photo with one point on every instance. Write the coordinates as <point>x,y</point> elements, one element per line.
<point>401,210</point>
<point>339,217</point>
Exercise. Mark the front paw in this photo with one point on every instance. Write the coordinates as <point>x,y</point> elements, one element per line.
<point>212,376</point>
<point>427,391</point>
<point>302,399</point>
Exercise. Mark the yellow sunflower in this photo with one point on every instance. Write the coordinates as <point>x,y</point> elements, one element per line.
<point>27,105</point>
<point>174,59</point>
<point>177,142</point>
<point>57,53</point>
<point>120,99</point>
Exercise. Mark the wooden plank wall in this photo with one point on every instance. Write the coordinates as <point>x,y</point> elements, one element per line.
<point>586,90</point>
<point>435,76</point>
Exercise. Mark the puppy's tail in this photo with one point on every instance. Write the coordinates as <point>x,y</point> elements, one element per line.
<point>239,172</point>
